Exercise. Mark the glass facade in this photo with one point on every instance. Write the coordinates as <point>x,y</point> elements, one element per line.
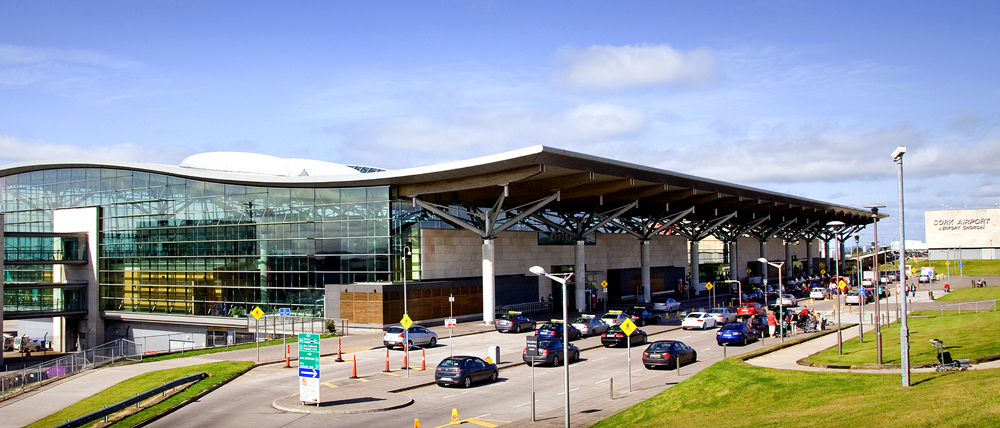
<point>181,246</point>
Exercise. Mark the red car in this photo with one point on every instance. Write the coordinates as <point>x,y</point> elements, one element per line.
<point>747,309</point>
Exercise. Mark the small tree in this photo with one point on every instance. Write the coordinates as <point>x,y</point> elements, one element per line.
<point>331,326</point>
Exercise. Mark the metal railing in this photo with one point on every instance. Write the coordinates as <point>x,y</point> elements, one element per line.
<point>135,400</point>
<point>960,307</point>
<point>525,307</point>
<point>269,327</point>
<point>33,377</point>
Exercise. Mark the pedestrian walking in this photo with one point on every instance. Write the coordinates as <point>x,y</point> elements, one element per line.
<point>772,322</point>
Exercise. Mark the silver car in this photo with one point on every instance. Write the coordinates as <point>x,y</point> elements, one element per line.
<point>590,325</point>
<point>416,335</point>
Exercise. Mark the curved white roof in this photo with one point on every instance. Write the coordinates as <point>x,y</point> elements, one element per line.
<point>254,163</point>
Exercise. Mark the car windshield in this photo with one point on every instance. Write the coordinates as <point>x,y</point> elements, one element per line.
<point>582,321</point>
<point>615,329</point>
<point>747,304</point>
<point>718,311</point>
<point>507,317</point>
<point>695,315</point>
<point>733,326</point>
<point>549,344</point>
<point>395,330</point>
<point>661,346</point>
<point>610,316</point>
<point>449,362</point>
<point>551,326</point>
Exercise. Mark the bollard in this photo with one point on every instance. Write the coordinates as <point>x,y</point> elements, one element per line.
<point>423,357</point>
<point>339,359</point>
<point>406,364</point>
<point>611,388</point>
<point>354,371</point>
<point>416,423</point>
<point>454,417</point>
<point>288,358</point>
<point>724,351</point>
<point>386,362</point>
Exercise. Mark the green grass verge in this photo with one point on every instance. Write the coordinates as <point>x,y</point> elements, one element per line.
<point>218,372</point>
<point>969,335</point>
<point>196,352</point>
<point>971,294</point>
<point>971,268</point>
<point>734,394</point>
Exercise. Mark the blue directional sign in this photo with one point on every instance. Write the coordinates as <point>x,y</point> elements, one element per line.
<point>309,373</point>
<point>285,312</point>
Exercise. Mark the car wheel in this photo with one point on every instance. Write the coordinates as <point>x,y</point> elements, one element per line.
<point>410,344</point>
<point>694,357</point>
<point>494,375</point>
<point>467,382</point>
<point>434,341</point>
<point>642,323</point>
<point>720,343</point>
<point>576,356</point>
<point>555,360</point>
<point>517,329</point>
<point>649,367</point>
<point>744,341</point>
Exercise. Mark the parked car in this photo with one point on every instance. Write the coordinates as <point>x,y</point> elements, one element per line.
<point>735,333</point>
<point>819,293</point>
<point>667,305</point>
<point>8,342</point>
<point>853,298</point>
<point>642,316</point>
<point>590,325</point>
<point>514,322</point>
<point>615,336</point>
<point>749,309</point>
<point>464,370</point>
<point>789,300</point>
<point>24,344</point>
<point>700,320</point>
<point>723,315</point>
<point>554,330</point>
<point>550,351</point>
<point>417,335</point>
<point>614,318</point>
<point>665,353</point>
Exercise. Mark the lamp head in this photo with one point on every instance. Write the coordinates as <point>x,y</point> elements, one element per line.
<point>898,153</point>
<point>836,224</point>
<point>762,260</point>
<point>537,270</point>
<point>874,207</point>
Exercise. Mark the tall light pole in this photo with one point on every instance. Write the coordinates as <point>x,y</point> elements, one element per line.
<point>561,279</point>
<point>406,331</point>
<point>836,225</point>
<point>904,330</point>
<point>878,278</point>
<point>861,294</point>
<point>781,308</point>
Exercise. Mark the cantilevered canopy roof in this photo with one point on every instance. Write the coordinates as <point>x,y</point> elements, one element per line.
<point>584,183</point>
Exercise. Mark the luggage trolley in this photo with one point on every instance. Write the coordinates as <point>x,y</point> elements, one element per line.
<point>944,358</point>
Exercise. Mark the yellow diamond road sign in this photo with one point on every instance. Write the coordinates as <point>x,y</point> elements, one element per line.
<point>604,284</point>
<point>709,286</point>
<point>842,284</point>
<point>406,321</point>
<point>628,326</point>
<point>822,271</point>
<point>257,313</point>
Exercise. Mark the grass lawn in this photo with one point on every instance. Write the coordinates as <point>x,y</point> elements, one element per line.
<point>217,372</point>
<point>195,352</point>
<point>971,268</point>
<point>969,335</point>
<point>732,393</point>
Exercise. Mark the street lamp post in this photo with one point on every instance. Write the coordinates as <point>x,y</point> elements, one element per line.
<point>781,308</point>
<point>878,278</point>
<point>561,279</point>
<point>861,294</point>
<point>406,331</point>
<point>904,331</point>
<point>836,225</point>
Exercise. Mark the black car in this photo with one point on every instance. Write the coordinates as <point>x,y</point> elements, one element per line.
<point>514,322</point>
<point>665,353</point>
<point>615,337</point>
<point>554,330</point>
<point>464,370</point>
<point>550,351</point>
<point>642,316</point>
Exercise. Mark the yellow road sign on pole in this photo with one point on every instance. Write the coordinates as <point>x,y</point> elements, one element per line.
<point>628,326</point>
<point>257,313</point>
<point>709,286</point>
<point>406,321</point>
<point>604,284</point>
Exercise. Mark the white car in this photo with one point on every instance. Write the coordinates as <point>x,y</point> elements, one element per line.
<point>667,305</point>
<point>699,320</point>
<point>416,335</point>
<point>23,344</point>
<point>788,300</point>
<point>818,293</point>
<point>590,325</point>
<point>614,318</point>
<point>723,315</point>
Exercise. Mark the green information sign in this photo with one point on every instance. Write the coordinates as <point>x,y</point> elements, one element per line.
<point>308,351</point>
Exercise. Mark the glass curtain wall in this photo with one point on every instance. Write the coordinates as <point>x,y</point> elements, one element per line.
<point>188,247</point>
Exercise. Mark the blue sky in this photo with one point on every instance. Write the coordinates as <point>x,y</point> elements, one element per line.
<point>806,98</point>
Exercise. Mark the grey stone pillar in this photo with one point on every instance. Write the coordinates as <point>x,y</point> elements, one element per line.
<point>644,269</point>
<point>788,259</point>
<point>763,254</point>
<point>809,257</point>
<point>580,273</point>
<point>695,273</point>
<point>489,283</point>
<point>734,264</point>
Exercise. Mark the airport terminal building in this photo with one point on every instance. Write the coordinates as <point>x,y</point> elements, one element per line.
<point>97,250</point>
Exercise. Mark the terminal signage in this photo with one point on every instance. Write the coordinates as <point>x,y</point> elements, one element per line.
<point>531,343</point>
<point>285,312</point>
<point>309,368</point>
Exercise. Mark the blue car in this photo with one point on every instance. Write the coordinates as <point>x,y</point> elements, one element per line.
<point>735,333</point>
<point>554,330</point>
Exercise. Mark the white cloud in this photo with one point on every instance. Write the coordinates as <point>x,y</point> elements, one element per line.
<point>19,150</point>
<point>488,132</point>
<point>604,68</point>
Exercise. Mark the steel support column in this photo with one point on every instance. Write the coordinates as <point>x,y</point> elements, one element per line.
<point>580,275</point>
<point>644,269</point>
<point>489,282</point>
<point>695,272</point>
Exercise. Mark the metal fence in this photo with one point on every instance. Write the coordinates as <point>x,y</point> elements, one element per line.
<point>267,328</point>
<point>32,377</point>
<point>960,307</point>
<point>277,326</point>
<point>525,307</point>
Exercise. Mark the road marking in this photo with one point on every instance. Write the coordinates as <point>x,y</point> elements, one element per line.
<point>453,395</point>
<point>329,384</point>
<point>605,380</point>
<point>637,371</point>
<point>390,374</point>
<point>574,389</point>
<point>706,349</point>
<point>599,359</point>
<point>360,379</point>
<point>685,337</point>
<point>482,416</point>
<point>525,404</point>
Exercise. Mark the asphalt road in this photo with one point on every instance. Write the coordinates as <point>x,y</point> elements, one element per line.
<point>247,400</point>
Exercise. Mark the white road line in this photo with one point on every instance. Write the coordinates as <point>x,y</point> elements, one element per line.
<point>482,416</point>
<point>605,380</point>
<point>637,371</point>
<point>685,337</point>
<point>525,404</point>
<point>599,359</point>
<point>453,395</point>
<point>706,349</point>
<point>574,389</point>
